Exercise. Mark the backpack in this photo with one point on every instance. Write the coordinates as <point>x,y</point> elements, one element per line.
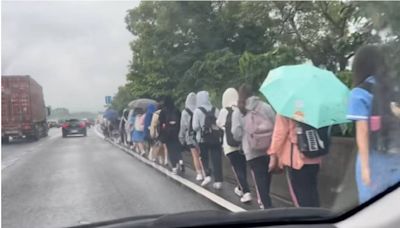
<point>383,126</point>
<point>210,132</point>
<point>228,129</point>
<point>258,128</point>
<point>191,132</point>
<point>171,127</point>
<point>313,142</point>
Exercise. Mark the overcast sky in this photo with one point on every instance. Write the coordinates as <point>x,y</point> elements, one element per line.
<point>78,51</point>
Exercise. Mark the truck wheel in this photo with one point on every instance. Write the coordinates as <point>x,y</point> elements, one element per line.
<point>5,140</point>
<point>36,134</point>
<point>46,131</point>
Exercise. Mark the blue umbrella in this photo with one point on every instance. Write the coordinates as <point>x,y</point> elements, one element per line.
<point>110,114</point>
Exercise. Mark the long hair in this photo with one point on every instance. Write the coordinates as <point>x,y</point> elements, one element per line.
<point>245,91</point>
<point>368,61</point>
<point>169,103</point>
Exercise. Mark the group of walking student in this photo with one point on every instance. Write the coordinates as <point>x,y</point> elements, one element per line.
<point>249,132</point>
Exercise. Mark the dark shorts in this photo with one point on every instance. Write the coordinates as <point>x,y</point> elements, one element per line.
<point>162,139</point>
<point>192,146</point>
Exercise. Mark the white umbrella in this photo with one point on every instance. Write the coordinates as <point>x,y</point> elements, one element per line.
<point>141,103</point>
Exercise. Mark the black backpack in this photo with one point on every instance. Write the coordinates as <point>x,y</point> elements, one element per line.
<point>172,124</point>
<point>210,132</point>
<point>386,138</point>
<point>313,142</point>
<point>191,132</point>
<point>228,129</point>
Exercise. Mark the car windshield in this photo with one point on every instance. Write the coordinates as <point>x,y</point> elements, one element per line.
<point>113,109</point>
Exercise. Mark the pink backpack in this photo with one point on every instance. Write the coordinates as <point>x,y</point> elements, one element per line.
<point>139,122</point>
<point>258,129</point>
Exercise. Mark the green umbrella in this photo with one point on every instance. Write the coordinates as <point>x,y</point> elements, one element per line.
<point>307,94</point>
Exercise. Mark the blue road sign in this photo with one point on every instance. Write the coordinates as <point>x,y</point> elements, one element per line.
<point>108,99</point>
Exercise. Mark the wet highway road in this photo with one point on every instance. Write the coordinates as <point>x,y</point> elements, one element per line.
<point>59,182</point>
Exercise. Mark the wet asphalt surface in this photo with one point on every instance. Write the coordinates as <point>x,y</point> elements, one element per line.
<point>57,182</point>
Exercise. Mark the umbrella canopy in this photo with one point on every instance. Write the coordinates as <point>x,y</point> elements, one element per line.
<point>141,103</point>
<point>307,94</point>
<point>110,114</point>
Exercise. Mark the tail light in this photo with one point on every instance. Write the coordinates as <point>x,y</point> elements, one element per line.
<point>65,125</point>
<point>81,124</point>
<point>26,126</point>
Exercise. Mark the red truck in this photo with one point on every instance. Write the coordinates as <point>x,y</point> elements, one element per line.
<point>23,112</point>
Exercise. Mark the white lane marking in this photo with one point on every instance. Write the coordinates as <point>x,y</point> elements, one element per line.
<point>98,133</point>
<point>202,191</point>
<point>10,162</point>
<point>7,163</point>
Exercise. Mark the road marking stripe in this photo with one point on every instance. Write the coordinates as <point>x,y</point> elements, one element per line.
<point>202,191</point>
<point>9,163</point>
<point>98,133</point>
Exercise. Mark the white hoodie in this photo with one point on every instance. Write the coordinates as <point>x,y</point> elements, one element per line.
<point>184,136</point>
<point>229,100</point>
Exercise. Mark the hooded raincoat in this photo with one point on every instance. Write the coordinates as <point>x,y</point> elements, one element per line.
<point>186,137</point>
<point>203,100</point>
<point>238,128</point>
<point>229,100</point>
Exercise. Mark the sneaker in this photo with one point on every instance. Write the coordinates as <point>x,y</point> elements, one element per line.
<point>199,177</point>
<point>174,170</point>
<point>260,204</point>
<point>238,192</point>
<point>143,153</point>
<point>217,185</point>
<point>246,198</point>
<point>206,181</point>
<point>181,166</point>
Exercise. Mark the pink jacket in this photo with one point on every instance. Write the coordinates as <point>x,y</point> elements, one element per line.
<point>282,139</point>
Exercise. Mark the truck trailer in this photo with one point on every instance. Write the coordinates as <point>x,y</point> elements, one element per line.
<point>24,113</point>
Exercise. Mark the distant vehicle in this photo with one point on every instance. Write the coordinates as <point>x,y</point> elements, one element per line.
<point>24,113</point>
<point>73,127</point>
<point>52,124</point>
<point>60,122</point>
<point>89,122</point>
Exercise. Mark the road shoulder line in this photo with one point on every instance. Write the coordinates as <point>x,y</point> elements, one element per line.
<point>200,190</point>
